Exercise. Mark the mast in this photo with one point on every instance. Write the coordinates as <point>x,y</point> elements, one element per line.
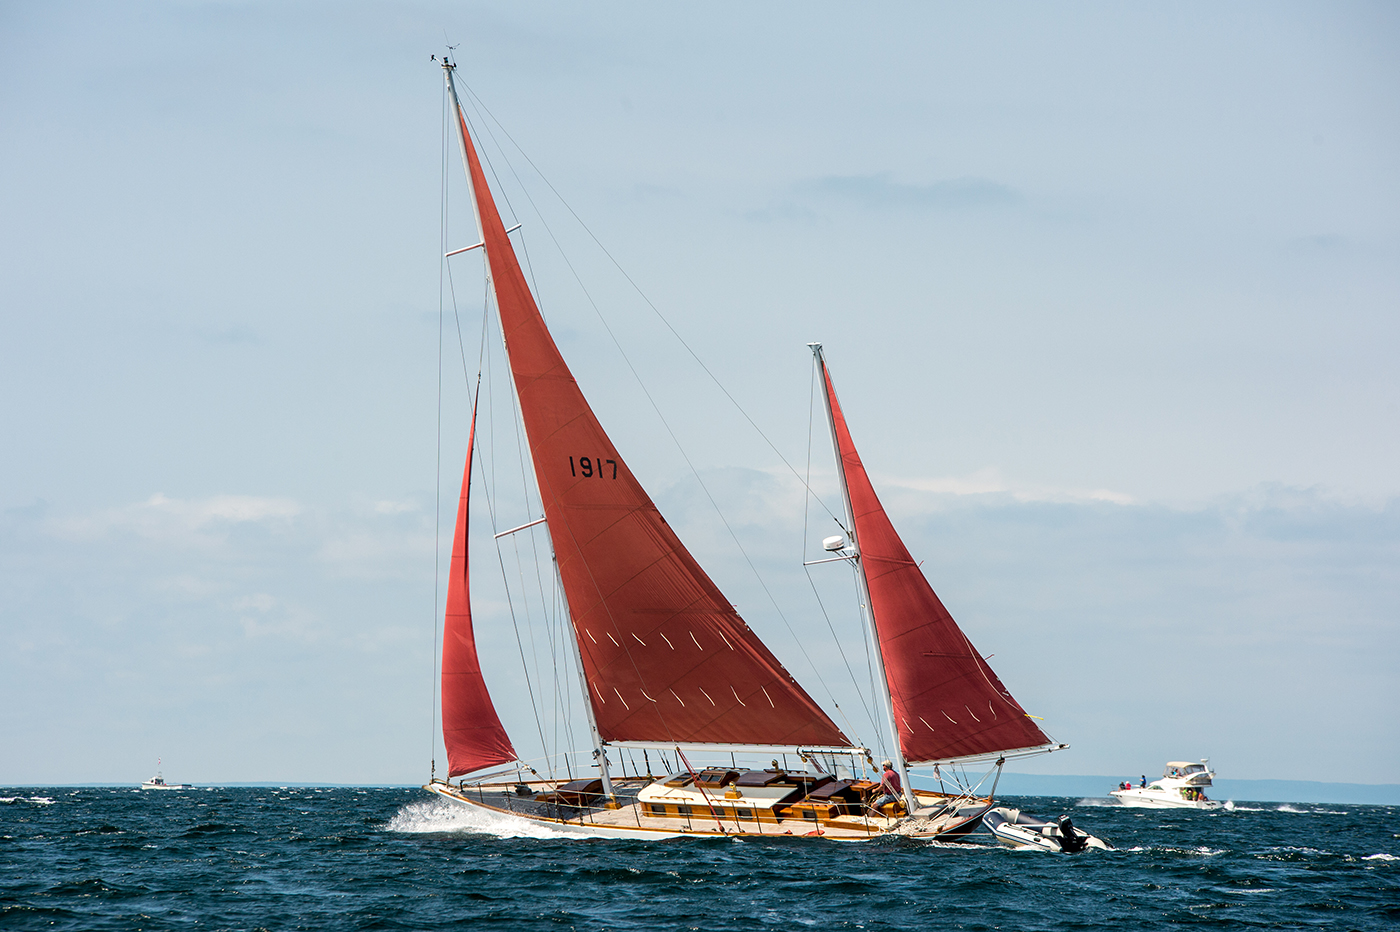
<point>867,609</point>
<point>599,746</point>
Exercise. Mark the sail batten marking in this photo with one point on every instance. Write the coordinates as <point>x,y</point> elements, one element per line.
<point>972,713</point>
<point>667,640</point>
<point>697,643</point>
<point>949,717</point>
<point>706,695</point>
<point>768,697</point>
<point>736,695</point>
<point>620,699</point>
<point>611,638</point>
<point>926,724</point>
<point>639,640</point>
<point>678,698</point>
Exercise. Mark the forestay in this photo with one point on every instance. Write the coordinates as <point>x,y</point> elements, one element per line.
<point>665,656</point>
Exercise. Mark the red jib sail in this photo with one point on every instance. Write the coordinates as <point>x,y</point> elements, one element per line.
<point>667,658</point>
<point>947,702</point>
<point>471,729</point>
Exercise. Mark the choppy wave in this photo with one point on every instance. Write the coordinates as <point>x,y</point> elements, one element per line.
<point>1287,808</point>
<point>403,859</point>
<point>1097,802</point>
<point>40,800</point>
<point>439,815</point>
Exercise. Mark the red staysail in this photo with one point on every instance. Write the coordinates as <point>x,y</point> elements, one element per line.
<point>947,702</point>
<point>667,658</point>
<point>470,727</point>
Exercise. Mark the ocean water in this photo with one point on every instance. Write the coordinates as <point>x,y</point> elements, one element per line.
<point>376,858</point>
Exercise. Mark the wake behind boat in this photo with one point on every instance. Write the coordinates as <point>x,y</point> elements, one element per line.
<point>1181,786</point>
<point>669,668</point>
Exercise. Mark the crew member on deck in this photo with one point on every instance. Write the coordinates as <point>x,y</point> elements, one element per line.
<point>889,782</point>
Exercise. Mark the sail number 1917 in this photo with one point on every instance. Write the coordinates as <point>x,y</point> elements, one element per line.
<point>588,467</point>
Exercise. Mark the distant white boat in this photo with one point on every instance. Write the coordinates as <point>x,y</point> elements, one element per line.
<point>1181,786</point>
<point>158,782</point>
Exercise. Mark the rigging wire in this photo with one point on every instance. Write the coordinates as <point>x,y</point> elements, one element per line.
<point>811,416</point>
<point>482,357</point>
<point>437,459</point>
<point>548,611</point>
<point>626,649</point>
<point>500,558</point>
<point>657,311</point>
<point>651,400</point>
<point>518,425</point>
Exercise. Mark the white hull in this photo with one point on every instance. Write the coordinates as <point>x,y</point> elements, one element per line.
<point>627,821</point>
<point>148,785</point>
<point>1159,799</point>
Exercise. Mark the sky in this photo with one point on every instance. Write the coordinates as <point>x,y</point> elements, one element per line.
<point>1111,295</point>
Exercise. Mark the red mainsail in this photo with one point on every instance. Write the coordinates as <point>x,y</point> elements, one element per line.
<point>471,729</point>
<point>947,702</point>
<point>666,657</point>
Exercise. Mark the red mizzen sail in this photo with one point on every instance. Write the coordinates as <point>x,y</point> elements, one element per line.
<point>470,727</point>
<point>947,702</point>
<point>667,658</point>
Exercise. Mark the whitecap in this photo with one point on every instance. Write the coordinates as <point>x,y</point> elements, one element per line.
<point>1092,802</point>
<point>1287,808</point>
<point>1381,857</point>
<point>438,815</point>
<point>41,800</point>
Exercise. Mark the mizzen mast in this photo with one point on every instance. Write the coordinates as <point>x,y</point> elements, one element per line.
<point>867,610</point>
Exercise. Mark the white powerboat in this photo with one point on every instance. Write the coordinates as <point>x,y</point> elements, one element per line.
<point>158,782</point>
<point>1181,786</point>
<point>1017,829</point>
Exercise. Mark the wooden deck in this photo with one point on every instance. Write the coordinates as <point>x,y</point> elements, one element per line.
<point>631,819</point>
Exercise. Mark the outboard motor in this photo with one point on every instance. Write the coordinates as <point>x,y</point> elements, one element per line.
<point>1070,840</point>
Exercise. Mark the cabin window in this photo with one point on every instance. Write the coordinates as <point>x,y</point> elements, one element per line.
<point>683,811</point>
<point>809,814</point>
<point>743,813</point>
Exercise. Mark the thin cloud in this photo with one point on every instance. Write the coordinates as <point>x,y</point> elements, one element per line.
<point>990,482</point>
<point>882,192</point>
<point>162,518</point>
